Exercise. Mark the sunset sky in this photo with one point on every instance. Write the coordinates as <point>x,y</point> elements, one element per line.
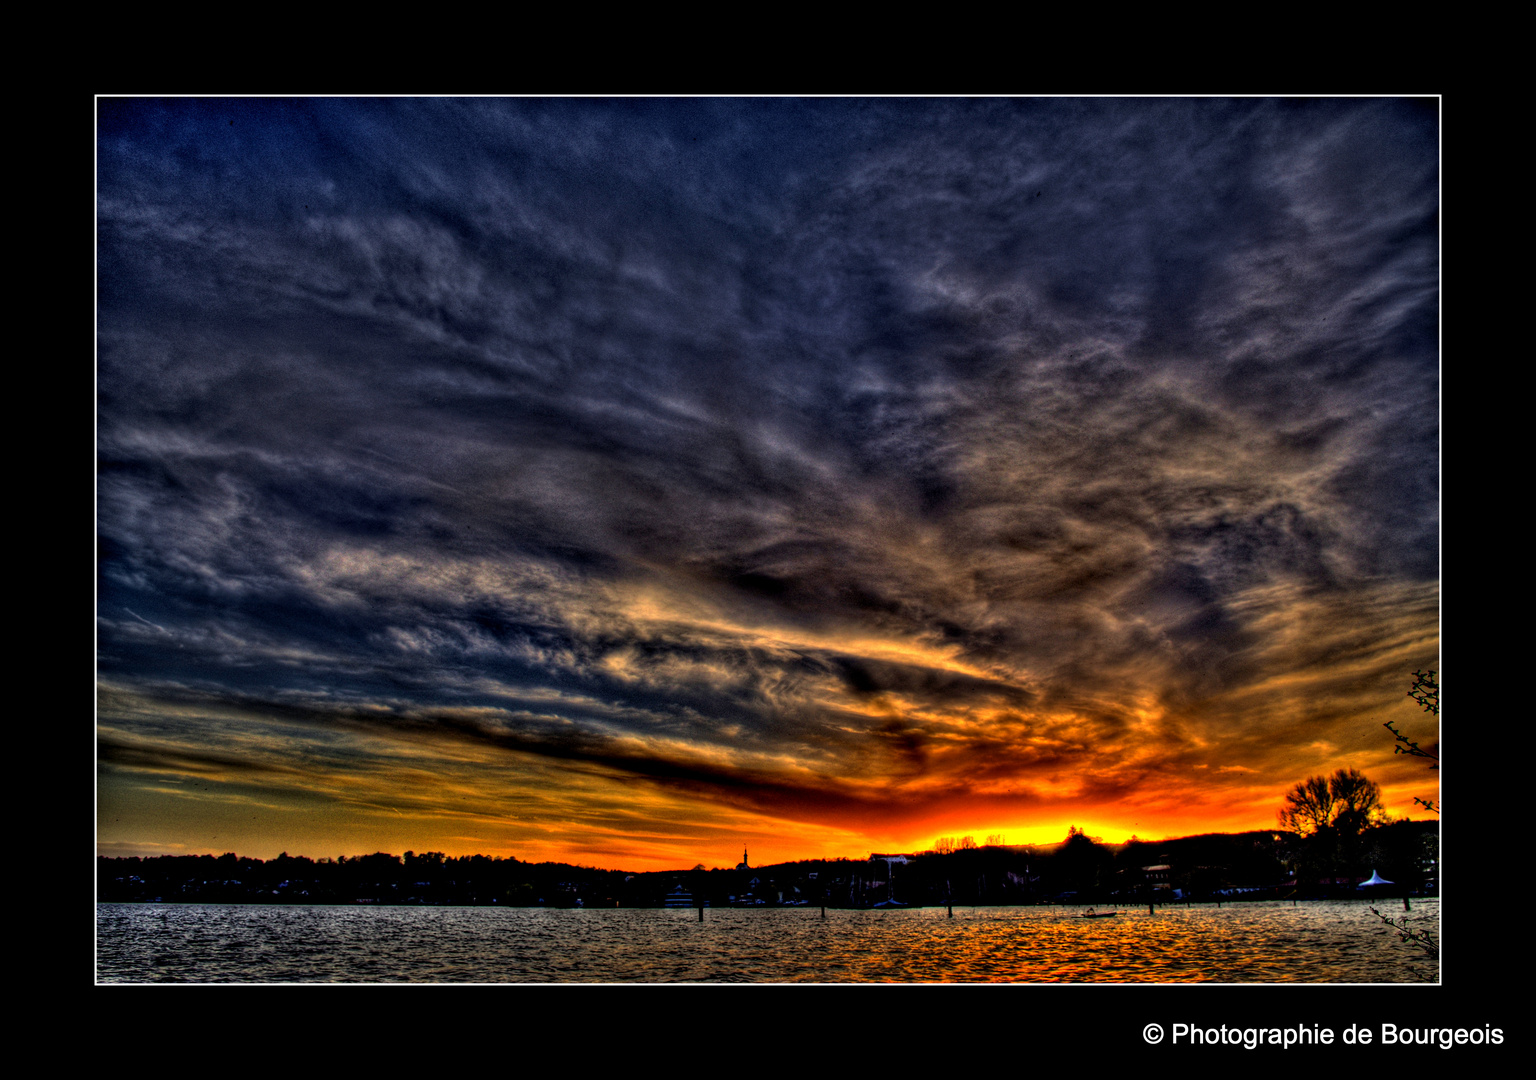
<point>630,481</point>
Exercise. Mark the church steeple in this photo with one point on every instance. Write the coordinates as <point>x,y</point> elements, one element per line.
<point>743,864</point>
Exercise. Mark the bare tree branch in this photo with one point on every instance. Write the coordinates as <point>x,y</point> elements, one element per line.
<point>1422,938</point>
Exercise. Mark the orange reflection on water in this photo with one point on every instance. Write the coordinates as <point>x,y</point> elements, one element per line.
<point>1238,943</point>
<point>1235,943</point>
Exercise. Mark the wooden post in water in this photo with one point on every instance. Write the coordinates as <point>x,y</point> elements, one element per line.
<point>701,910</point>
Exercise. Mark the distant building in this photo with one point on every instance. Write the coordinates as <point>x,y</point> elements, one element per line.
<point>890,873</point>
<point>743,864</point>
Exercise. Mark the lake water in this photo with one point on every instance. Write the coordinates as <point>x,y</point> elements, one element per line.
<point>1236,943</point>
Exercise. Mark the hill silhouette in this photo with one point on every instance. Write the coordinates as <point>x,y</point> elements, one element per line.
<point>1080,869</point>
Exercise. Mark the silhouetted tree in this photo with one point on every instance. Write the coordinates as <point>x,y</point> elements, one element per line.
<point>1426,691</point>
<point>1357,802</point>
<point>1346,802</point>
<point>1308,807</point>
<point>1082,861</point>
<point>1330,814</point>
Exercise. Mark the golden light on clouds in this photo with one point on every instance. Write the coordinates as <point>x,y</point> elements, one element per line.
<point>946,467</point>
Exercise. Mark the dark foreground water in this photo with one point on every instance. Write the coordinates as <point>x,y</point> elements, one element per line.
<point>1237,943</point>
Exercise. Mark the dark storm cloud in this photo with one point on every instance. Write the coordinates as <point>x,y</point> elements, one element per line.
<point>798,426</point>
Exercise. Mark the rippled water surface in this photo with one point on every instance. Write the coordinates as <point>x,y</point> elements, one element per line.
<point>1236,943</point>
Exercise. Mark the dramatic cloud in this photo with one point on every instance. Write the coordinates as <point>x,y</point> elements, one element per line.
<point>622,480</point>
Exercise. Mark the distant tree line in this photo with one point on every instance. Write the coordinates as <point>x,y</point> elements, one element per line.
<point>380,878</point>
<point>1080,869</point>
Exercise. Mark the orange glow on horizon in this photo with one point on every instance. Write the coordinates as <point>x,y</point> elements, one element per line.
<point>718,844</point>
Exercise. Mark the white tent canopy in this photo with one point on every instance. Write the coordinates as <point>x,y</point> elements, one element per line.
<point>1375,879</point>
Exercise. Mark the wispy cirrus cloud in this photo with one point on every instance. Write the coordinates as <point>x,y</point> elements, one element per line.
<point>831,463</point>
